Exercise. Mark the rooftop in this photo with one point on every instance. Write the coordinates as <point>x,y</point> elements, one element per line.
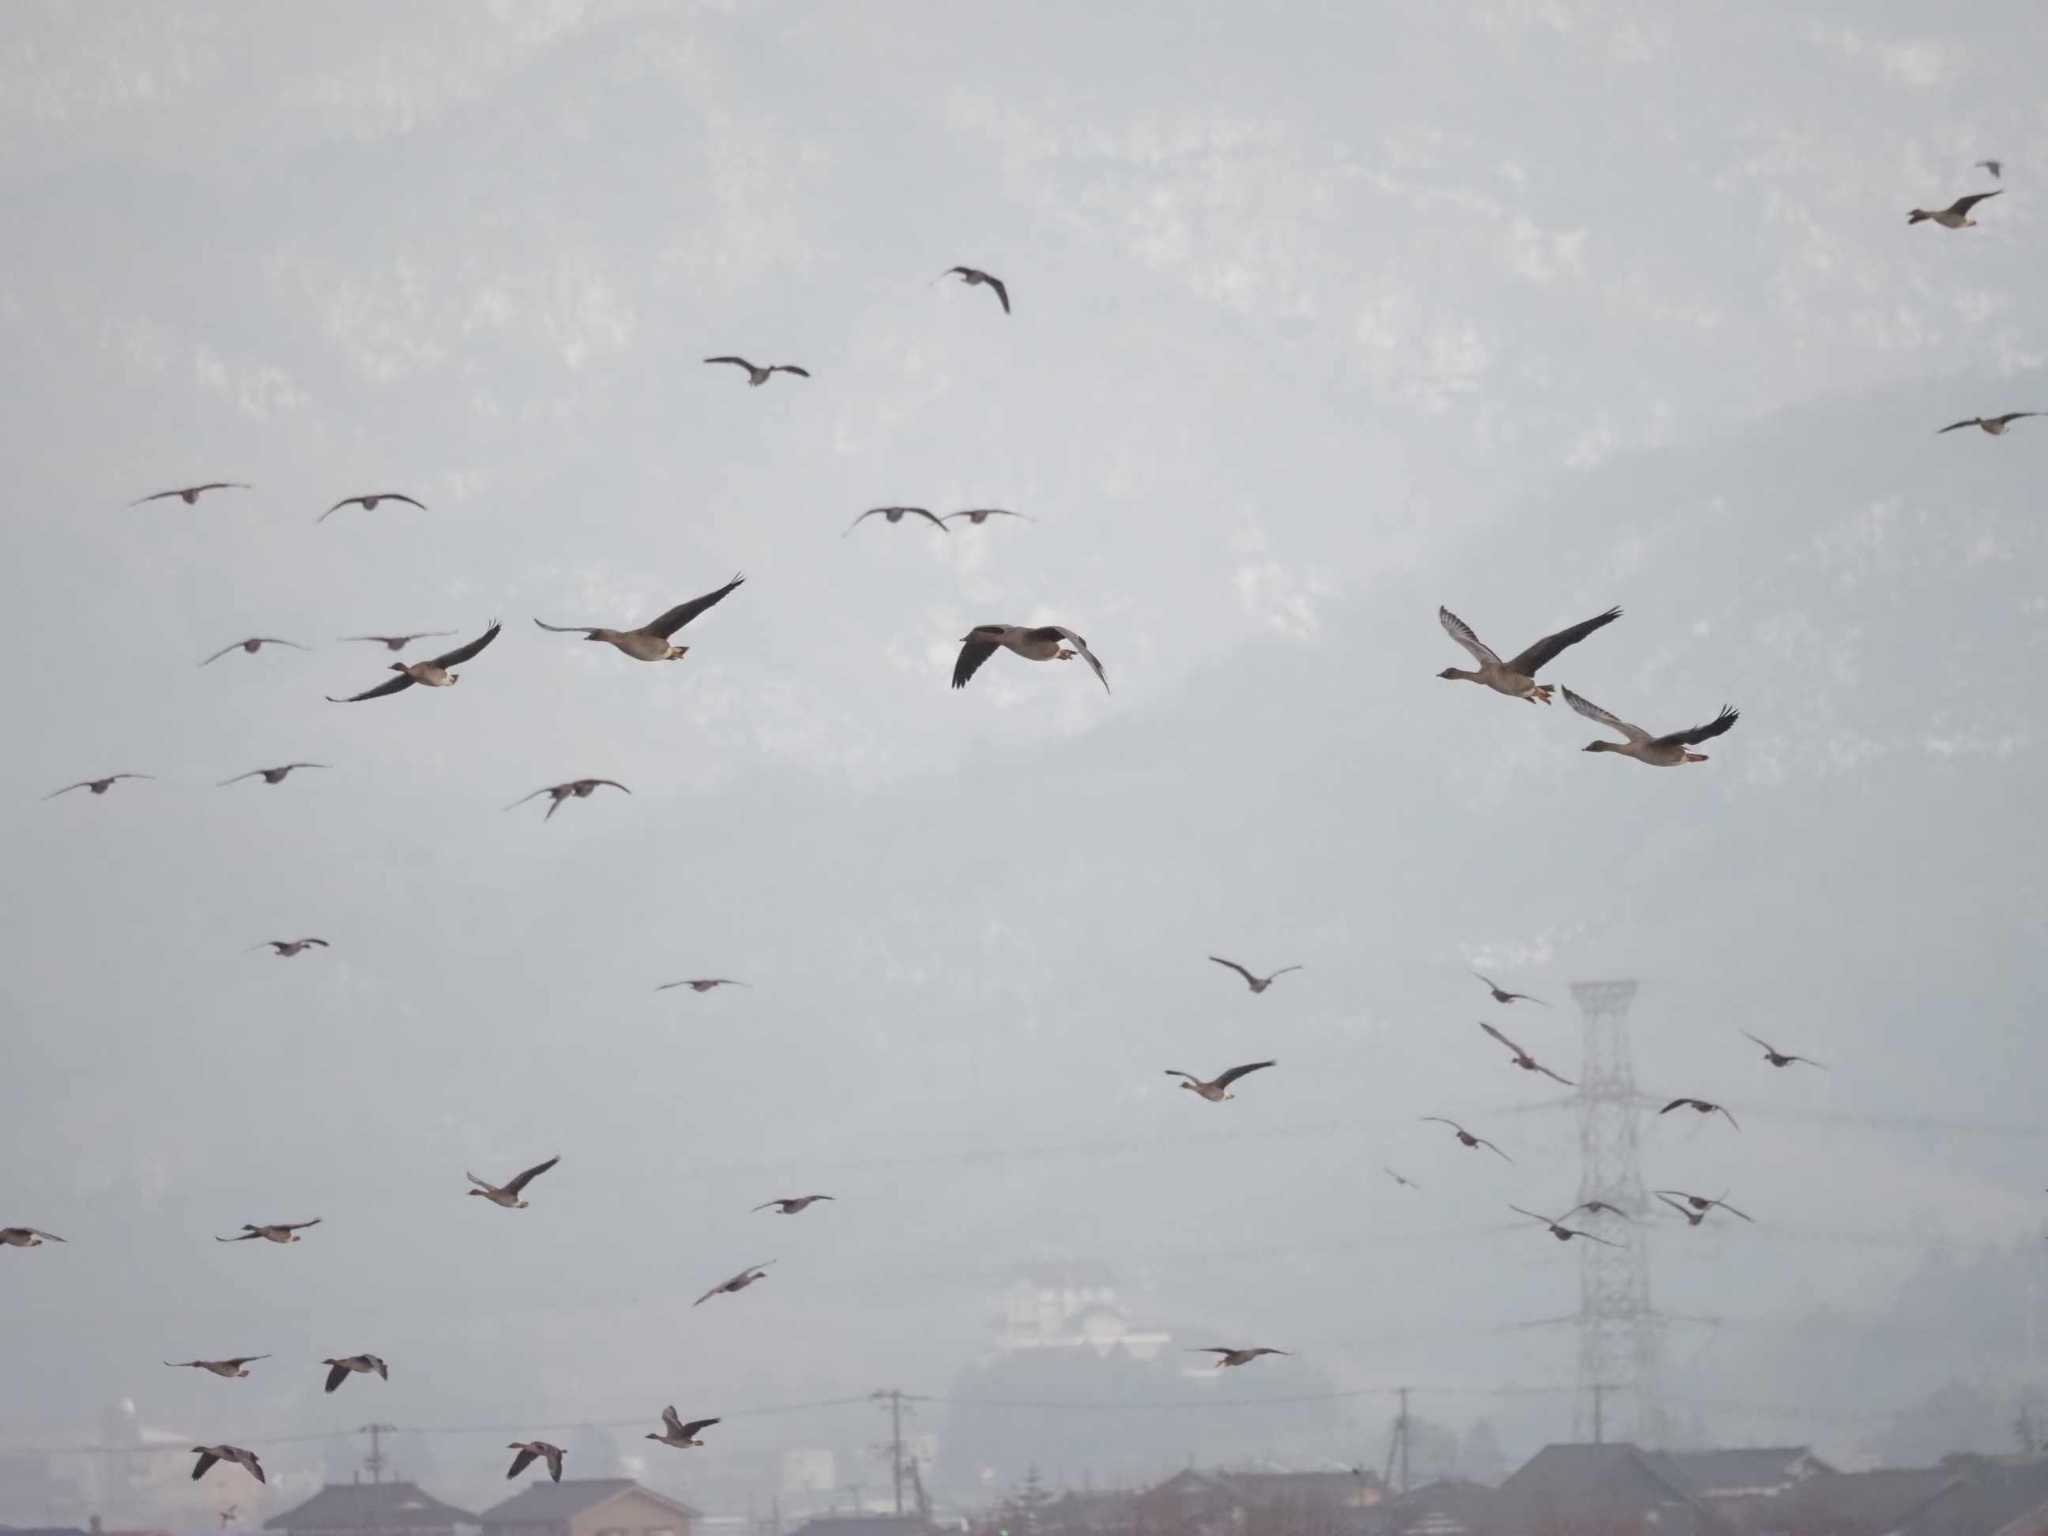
<point>369,1507</point>
<point>544,1503</point>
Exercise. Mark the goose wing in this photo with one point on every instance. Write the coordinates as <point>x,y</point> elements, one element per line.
<point>1714,727</point>
<point>682,613</point>
<point>543,790</point>
<point>216,656</point>
<point>1532,1216</point>
<point>1724,1205</point>
<point>1547,648</point>
<point>802,373</point>
<point>569,629</point>
<point>1679,1104</point>
<point>1974,421</point>
<point>522,1180</point>
<point>206,1457</point>
<point>1554,1077</point>
<point>690,1429</point>
<point>399,682</point>
<point>462,653</point>
<point>731,359</point>
<point>1461,632</point>
<point>1002,292</point>
<point>937,522</point>
<point>671,1420</point>
<point>346,501</point>
<point>526,1457</point>
<point>1233,965</point>
<point>1225,1079</point>
<point>1592,711</point>
<point>337,1374</point>
<point>1086,655</point>
<point>973,652</point>
<point>1963,205</point>
<point>2012,416</point>
<point>1503,1039</point>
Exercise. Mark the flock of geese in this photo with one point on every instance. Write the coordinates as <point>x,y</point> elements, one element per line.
<point>654,641</point>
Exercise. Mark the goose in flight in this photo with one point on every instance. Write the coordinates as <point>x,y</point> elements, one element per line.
<point>1216,1090</point>
<point>252,645</point>
<point>1258,984</point>
<point>97,786</point>
<point>756,376</point>
<point>1701,1106</point>
<point>1401,1179</point>
<point>1697,1206</point>
<point>1596,1207</point>
<point>1955,216</point>
<point>1515,677</point>
<point>650,641</point>
<point>190,494</point>
<point>736,1284</point>
<point>1048,642</point>
<point>1502,996</point>
<point>400,642</point>
<point>1778,1058</point>
<point>268,775</point>
<point>433,674</point>
<point>271,1232</point>
<point>974,277</point>
<point>1995,167</point>
<point>581,789</point>
<point>339,1370</point>
<point>531,1451</point>
<point>1523,1059</point>
<point>368,503</point>
<point>209,1454</point>
<point>507,1194</point>
<point>286,948</point>
<point>980,515</point>
<point>1993,425</point>
<point>26,1237</point>
<point>229,1368</point>
<point>896,515</point>
<point>1658,751</point>
<point>1466,1138</point>
<point>1560,1231</point>
<point>701,983</point>
<point>678,1434</point>
<point>1227,1356</point>
<point>793,1204</point>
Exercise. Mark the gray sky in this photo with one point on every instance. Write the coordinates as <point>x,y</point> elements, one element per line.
<point>1321,321</point>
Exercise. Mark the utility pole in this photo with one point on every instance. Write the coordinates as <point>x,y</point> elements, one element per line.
<point>375,1460</point>
<point>893,1396</point>
<point>1397,1445</point>
<point>1599,1412</point>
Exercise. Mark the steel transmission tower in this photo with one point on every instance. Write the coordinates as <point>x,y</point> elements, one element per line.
<point>1618,1330</point>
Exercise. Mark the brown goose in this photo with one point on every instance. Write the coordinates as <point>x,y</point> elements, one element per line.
<point>1258,984</point>
<point>793,1204</point>
<point>980,515</point>
<point>340,1369</point>
<point>230,1368</point>
<point>1994,425</point>
<point>1658,751</point>
<point>701,983</point>
<point>1956,215</point>
<point>756,376</point>
<point>1560,1231</point>
<point>268,775</point>
<point>650,641</point>
<point>1047,642</point>
<point>736,1284</point>
<point>580,789</point>
<point>251,645</point>
<point>1516,677</point>
<point>974,277</point>
<point>368,503</point>
<point>507,1194</point>
<point>533,1450</point>
<point>400,642</point>
<point>1778,1058</point>
<point>286,948</point>
<point>1228,1356</point>
<point>97,786</point>
<point>1216,1090</point>
<point>1523,1059</point>
<point>1466,1138</point>
<point>271,1232</point>
<point>896,515</point>
<point>678,1434</point>
<point>1700,1106</point>
<point>26,1237</point>
<point>1500,995</point>
<point>209,1454</point>
<point>190,494</point>
<point>1696,1207</point>
<point>433,674</point>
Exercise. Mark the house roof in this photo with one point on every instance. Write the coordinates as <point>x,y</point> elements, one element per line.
<point>551,1503</point>
<point>1451,1507</point>
<point>369,1507</point>
<point>1985,1497</point>
<point>1581,1482</point>
<point>863,1525</point>
<point>1860,1503</point>
<point>1759,1469</point>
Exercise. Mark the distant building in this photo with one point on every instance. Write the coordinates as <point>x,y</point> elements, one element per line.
<point>1854,1503</point>
<point>1598,1490</point>
<point>864,1525</point>
<point>1061,1307</point>
<point>1446,1508</point>
<point>1195,1503</point>
<point>371,1509</point>
<point>1741,1475</point>
<point>595,1506</point>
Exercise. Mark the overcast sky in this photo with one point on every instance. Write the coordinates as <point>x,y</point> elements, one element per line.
<point>1527,308</point>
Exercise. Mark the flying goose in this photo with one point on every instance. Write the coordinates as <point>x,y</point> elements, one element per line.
<point>1401,1179</point>
<point>1258,984</point>
<point>1502,996</point>
<point>793,1204</point>
<point>1516,677</point>
<point>1523,1059</point>
<point>286,948</point>
<point>190,494</point>
<point>252,645</point>
<point>1995,167</point>
<point>736,1284</point>
<point>756,377</point>
<point>896,515</point>
<point>678,1434</point>
<point>1956,215</point>
<point>1658,751</point>
<point>650,641</point>
<point>1560,1231</point>
<point>97,786</point>
<point>228,1368</point>
<point>701,983</point>
<point>507,1194</point>
<point>531,1450</point>
<point>209,1454</point>
<point>400,642</point>
<point>1465,1137</point>
<point>338,1370</point>
<point>268,775</point>
<point>1703,1106</point>
<point>368,503</point>
<point>1993,425</point>
<point>1778,1058</point>
<point>1227,1356</point>
<point>1701,1204</point>
<point>1596,1207</point>
<point>434,674</point>
<point>1048,642</point>
<point>27,1237</point>
<point>271,1231</point>
<point>980,515</point>
<point>581,789</point>
<point>1216,1090</point>
<point>974,277</point>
